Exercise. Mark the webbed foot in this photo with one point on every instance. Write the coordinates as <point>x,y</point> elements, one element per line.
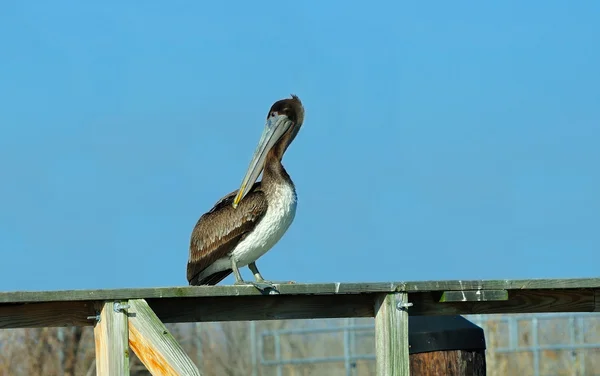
<point>264,287</point>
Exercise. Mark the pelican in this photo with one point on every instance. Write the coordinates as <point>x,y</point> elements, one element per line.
<point>246,223</point>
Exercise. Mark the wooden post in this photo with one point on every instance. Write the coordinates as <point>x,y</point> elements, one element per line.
<point>391,334</point>
<point>110,337</point>
<point>446,345</point>
<point>154,345</point>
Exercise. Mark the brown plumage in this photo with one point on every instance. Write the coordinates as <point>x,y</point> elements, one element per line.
<point>220,230</point>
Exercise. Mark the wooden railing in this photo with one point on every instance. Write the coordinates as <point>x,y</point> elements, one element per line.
<point>133,318</point>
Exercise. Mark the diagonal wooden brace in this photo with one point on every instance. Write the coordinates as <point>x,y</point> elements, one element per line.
<point>154,345</point>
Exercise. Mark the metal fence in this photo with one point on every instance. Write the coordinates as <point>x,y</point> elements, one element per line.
<point>350,330</point>
<point>570,337</point>
<point>514,333</point>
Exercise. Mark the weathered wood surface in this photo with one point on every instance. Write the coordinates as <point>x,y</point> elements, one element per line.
<point>111,339</point>
<point>474,295</point>
<point>519,301</point>
<point>295,289</point>
<point>391,335</point>
<point>268,307</point>
<point>154,345</point>
<point>282,307</point>
<point>39,315</point>
<point>170,310</point>
<point>448,363</point>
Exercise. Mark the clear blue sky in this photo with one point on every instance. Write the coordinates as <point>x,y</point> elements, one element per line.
<point>447,140</point>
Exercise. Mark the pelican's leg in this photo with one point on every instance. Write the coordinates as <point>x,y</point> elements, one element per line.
<point>236,273</point>
<point>254,269</point>
<point>260,283</point>
<point>240,281</point>
<point>259,278</point>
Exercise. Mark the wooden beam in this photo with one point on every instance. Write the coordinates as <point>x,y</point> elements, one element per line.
<point>110,337</point>
<point>273,307</point>
<point>40,315</point>
<point>287,307</point>
<point>154,345</point>
<point>519,301</point>
<point>241,308</point>
<point>297,289</point>
<point>474,295</point>
<point>391,335</point>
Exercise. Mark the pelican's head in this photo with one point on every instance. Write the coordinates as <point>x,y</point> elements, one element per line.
<point>284,120</point>
<point>292,110</point>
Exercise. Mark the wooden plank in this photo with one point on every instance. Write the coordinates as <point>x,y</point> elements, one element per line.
<point>190,291</point>
<point>40,315</point>
<point>391,335</point>
<point>242,308</point>
<point>597,299</point>
<point>274,307</point>
<point>296,289</point>
<point>35,315</point>
<point>524,284</point>
<point>523,301</point>
<point>474,295</point>
<point>154,345</point>
<point>111,339</point>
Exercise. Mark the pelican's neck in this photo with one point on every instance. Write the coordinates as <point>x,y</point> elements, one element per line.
<point>274,172</point>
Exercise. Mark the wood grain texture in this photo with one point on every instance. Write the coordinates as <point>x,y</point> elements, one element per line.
<point>519,301</point>
<point>111,339</point>
<point>154,345</point>
<point>391,335</point>
<point>272,307</point>
<point>40,315</point>
<point>295,289</point>
<point>448,363</point>
<point>242,308</point>
<point>277,307</point>
<point>474,295</point>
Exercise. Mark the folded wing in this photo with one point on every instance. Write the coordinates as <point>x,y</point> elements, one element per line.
<point>220,230</point>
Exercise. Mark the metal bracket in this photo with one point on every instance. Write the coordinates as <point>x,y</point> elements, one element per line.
<point>403,306</point>
<point>118,307</point>
<point>96,317</point>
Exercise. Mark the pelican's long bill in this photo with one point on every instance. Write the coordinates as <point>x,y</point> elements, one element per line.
<point>275,127</point>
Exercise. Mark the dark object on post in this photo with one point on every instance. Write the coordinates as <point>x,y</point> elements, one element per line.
<point>445,346</point>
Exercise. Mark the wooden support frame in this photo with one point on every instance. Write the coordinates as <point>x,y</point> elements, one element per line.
<point>154,345</point>
<point>391,334</point>
<point>142,324</point>
<point>124,324</point>
<point>111,339</point>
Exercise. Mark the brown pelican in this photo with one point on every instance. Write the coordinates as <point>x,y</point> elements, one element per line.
<point>246,223</point>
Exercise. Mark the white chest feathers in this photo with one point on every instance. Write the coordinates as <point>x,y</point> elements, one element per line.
<point>280,214</point>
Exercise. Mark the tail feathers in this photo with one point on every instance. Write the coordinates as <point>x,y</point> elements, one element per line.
<point>212,279</point>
